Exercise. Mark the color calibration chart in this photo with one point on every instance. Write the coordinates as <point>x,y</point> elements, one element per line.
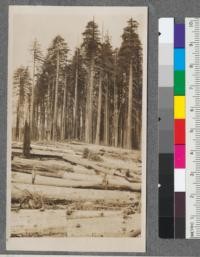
<point>179,128</point>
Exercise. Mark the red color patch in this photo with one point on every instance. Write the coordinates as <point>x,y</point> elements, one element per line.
<point>179,132</point>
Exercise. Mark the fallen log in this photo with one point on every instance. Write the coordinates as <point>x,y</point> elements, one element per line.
<point>51,166</point>
<point>38,155</point>
<point>95,183</point>
<point>55,193</point>
<point>46,168</point>
<point>75,161</point>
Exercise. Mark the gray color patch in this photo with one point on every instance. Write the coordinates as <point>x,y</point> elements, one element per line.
<point>166,119</point>
<point>166,76</point>
<point>166,54</point>
<point>166,143</point>
<point>165,97</point>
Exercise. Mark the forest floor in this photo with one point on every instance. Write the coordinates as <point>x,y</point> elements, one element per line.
<point>75,189</point>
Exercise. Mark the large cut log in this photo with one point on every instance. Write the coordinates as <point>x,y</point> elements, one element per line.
<point>48,166</point>
<point>96,182</point>
<point>72,159</point>
<point>39,154</point>
<point>30,223</point>
<point>54,193</point>
<point>45,167</point>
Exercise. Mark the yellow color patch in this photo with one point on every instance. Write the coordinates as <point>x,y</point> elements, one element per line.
<point>179,107</point>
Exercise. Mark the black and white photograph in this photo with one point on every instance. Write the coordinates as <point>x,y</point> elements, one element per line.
<point>76,151</point>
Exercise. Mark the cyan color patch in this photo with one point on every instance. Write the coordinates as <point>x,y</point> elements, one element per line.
<point>179,58</point>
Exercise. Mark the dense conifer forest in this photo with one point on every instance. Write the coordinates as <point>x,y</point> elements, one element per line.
<point>93,94</point>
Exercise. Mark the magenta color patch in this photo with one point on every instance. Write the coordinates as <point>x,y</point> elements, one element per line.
<point>179,156</point>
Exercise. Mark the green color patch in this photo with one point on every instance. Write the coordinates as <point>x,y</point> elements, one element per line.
<point>179,83</point>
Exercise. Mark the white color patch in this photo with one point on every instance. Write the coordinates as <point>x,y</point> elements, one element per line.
<point>179,180</point>
<point>166,28</point>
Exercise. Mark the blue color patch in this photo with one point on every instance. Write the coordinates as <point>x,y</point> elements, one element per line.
<point>179,58</point>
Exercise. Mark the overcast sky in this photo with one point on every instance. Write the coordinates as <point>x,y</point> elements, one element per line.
<point>44,23</point>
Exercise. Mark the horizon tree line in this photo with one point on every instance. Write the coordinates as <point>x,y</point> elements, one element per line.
<point>95,96</point>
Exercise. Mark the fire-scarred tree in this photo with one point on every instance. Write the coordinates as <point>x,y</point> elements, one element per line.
<point>130,55</point>
<point>90,46</point>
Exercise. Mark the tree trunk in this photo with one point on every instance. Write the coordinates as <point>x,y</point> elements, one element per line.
<point>52,106</point>
<point>116,115</point>
<point>32,100</point>
<point>21,116</point>
<point>86,114</point>
<point>48,113</point>
<point>69,116</point>
<point>106,117</point>
<point>75,104</point>
<point>88,127</point>
<point>38,122</point>
<point>130,100</point>
<point>138,130</point>
<point>124,128</point>
<point>97,141</point>
<point>43,120</point>
<point>81,133</point>
<point>17,123</point>
<point>64,110</point>
<point>56,100</point>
